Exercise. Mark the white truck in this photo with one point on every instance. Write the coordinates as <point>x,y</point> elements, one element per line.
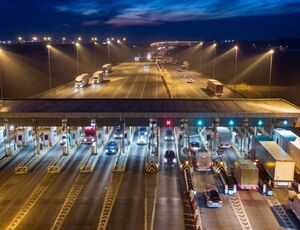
<point>246,174</point>
<point>290,142</point>
<point>202,160</point>
<point>294,205</point>
<point>82,80</point>
<point>277,163</point>
<point>224,136</point>
<point>98,77</point>
<point>107,68</point>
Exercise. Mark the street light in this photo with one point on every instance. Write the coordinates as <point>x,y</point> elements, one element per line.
<point>95,53</point>
<point>1,77</point>
<point>271,52</point>
<point>214,61</point>
<point>63,39</point>
<point>108,43</point>
<point>49,65</point>
<point>201,45</point>
<point>118,41</point>
<point>235,65</point>
<point>77,57</point>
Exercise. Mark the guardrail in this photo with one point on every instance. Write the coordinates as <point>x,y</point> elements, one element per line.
<point>196,210</point>
<point>163,77</point>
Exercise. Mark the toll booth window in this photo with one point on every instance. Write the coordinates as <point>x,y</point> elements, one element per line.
<point>19,137</point>
<point>46,137</point>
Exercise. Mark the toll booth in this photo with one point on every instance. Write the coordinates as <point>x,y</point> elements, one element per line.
<point>23,134</point>
<point>49,135</point>
<point>2,134</point>
<point>9,148</point>
<point>75,135</point>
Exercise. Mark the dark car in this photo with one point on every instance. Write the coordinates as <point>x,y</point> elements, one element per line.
<point>111,147</point>
<point>169,157</point>
<point>212,198</point>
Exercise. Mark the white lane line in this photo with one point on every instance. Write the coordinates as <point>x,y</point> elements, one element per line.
<point>144,85</point>
<point>154,203</point>
<point>145,204</point>
<point>281,213</point>
<point>240,212</point>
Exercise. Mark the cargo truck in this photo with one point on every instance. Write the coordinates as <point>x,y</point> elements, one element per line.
<point>290,142</point>
<point>82,80</point>
<point>246,174</point>
<point>107,68</point>
<point>225,137</point>
<point>98,77</point>
<point>277,163</point>
<point>294,205</point>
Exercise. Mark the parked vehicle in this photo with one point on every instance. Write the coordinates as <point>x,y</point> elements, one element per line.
<point>246,174</point>
<point>98,77</point>
<point>82,80</point>
<point>277,163</point>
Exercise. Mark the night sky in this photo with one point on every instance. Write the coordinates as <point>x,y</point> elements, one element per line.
<point>141,20</point>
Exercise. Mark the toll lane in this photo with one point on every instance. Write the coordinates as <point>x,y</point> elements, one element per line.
<point>45,210</point>
<point>128,210</point>
<point>86,210</point>
<point>22,186</point>
<point>169,206</point>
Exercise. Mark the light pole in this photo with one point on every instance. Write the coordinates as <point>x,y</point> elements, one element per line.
<point>108,43</point>
<point>49,65</point>
<point>77,57</point>
<point>235,66</point>
<point>201,44</point>
<point>214,61</point>
<point>1,77</point>
<point>271,52</point>
<point>95,54</point>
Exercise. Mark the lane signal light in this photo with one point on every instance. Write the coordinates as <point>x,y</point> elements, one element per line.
<point>199,122</point>
<point>260,123</point>
<point>168,122</point>
<point>231,122</point>
<point>285,122</point>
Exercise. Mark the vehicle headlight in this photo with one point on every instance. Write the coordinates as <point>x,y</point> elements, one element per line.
<point>174,160</point>
<point>85,139</point>
<point>165,160</point>
<point>106,150</point>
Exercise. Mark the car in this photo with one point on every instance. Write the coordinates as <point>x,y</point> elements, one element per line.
<point>111,147</point>
<point>169,135</point>
<point>143,130</point>
<point>212,198</point>
<point>118,133</point>
<point>142,139</point>
<point>190,80</point>
<point>63,139</point>
<point>169,157</point>
<point>195,146</point>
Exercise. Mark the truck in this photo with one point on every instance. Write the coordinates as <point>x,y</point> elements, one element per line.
<point>294,205</point>
<point>246,174</point>
<point>107,68</point>
<point>82,80</point>
<point>215,87</point>
<point>98,77</point>
<point>90,135</point>
<point>224,136</point>
<point>290,142</point>
<point>202,160</point>
<point>277,163</point>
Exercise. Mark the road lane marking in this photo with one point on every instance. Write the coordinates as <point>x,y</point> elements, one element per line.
<point>32,200</point>
<point>154,203</point>
<point>281,213</point>
<point>240,212</point>
<point>145,204</point>
<point>72,196</point>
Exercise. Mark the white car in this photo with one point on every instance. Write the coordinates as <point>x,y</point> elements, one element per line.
<point>190,80</point>
<point>63,139</point>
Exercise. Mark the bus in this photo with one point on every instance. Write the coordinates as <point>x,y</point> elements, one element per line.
<point>215,87</point>
<point>90,135</point>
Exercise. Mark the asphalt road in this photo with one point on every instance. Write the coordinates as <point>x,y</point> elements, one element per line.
<point>128,80</point>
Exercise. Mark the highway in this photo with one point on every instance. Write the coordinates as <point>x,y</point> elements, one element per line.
<point>128,80</point>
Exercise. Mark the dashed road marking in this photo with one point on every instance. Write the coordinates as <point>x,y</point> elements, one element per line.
<point>109,199</point>
<point>275,204</point>
<point>32,200</point>
<point>77,187</point>
<point>240,212</point>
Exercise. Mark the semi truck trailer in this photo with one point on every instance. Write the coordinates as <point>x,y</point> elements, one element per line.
<point>246,174</point>
<point>277,163</point>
